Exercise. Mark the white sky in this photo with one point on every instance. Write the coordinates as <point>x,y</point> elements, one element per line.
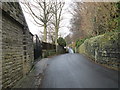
<point>64,30</point>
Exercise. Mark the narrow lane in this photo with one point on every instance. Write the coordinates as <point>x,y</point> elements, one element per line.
<point>76,71</point>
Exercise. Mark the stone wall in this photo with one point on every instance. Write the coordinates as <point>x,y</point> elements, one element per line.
<point>48,46</point>
<point>0,46</point>
<point>103,49</point>
<point>60,50</point>
<point>14,10</point>
<point>17,45</point>
<point>28,51</point>
<point>48,49</point>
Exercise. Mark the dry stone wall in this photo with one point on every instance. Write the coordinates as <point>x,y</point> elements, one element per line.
<point>104,49</point>
<point>17,45</point>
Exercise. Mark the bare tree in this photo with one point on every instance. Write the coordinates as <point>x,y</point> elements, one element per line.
<point>57,17</point>
<point>40,10</point>
<point>51,34</point>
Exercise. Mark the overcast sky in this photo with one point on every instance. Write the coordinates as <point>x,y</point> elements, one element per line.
<point>64,30</point>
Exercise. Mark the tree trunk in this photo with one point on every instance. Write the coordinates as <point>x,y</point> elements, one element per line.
<point>56,37</point>
<point>45,33</point>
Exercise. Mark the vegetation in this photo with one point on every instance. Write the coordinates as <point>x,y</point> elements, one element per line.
<point>117,19</point>
<point>61,42</point>
<point>57,17</point>
<point>84,23</point>
<point>79,42</point>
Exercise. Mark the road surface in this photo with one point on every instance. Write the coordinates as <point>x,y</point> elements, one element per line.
<point>76,71</point>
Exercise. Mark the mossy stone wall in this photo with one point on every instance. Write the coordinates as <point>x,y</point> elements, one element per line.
<point>103,49</point>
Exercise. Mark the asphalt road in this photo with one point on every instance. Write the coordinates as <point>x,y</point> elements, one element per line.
<point>76,71</point>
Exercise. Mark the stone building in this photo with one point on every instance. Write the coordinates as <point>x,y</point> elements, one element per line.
<point>17,44</point>
<point>0,47</point>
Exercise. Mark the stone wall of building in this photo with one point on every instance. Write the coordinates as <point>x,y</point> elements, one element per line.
<point>28,51</point>
<point>0,46</point>
<point>17,45</point>
<point>14,10</point>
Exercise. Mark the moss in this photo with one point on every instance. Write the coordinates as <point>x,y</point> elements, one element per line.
<point>102,44</point>
<point>118,5</point>
<point>102,40</point>
<point>79,42</point>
